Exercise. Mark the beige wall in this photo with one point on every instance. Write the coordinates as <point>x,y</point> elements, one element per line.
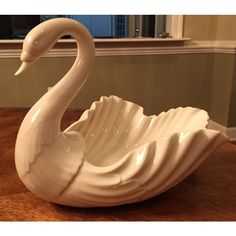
<point>210,27</point>
<point>221,27</point>
<point>155,82</point>
<point>232,106</point>
<point>226,27</point>
<point>222,77</point>
<point>200,27</point>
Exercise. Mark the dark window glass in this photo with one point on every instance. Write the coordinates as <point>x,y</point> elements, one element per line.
<point>100,26</point>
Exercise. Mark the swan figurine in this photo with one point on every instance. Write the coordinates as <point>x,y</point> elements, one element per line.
<point>114,154</point>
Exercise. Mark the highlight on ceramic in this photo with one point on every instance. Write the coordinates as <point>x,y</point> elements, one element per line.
<point>114,154</point>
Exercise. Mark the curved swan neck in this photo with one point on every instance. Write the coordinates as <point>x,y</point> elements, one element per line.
<point>65,90</point>
<point>51,107</point>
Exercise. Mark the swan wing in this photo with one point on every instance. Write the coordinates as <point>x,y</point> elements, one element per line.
<point>143,173</point>
<point>155,154</point>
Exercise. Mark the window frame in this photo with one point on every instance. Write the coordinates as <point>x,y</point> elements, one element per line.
<point>175,25</point>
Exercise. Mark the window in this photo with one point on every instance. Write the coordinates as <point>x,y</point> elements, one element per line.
<point>100,26</point>
<point>113,34</point>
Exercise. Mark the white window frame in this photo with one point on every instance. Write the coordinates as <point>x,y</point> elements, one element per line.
<point>174,25</point>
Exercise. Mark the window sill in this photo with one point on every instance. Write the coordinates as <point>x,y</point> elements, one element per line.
<point>143,39</point>
<point>106,40</point>
<point>104,46</point>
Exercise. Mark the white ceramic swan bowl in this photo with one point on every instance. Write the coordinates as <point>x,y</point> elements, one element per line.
<point>113,154</point>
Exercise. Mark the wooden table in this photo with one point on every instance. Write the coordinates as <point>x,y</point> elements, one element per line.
<point>207,194</point>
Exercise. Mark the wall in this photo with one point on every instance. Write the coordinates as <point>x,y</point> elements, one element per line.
<point>156,82</point>
<point>219,28</point>
<point>210,27</point>
<point>221,89</point>
<point>200,27</point>
<point>226,27</point>
<point>232,105</point>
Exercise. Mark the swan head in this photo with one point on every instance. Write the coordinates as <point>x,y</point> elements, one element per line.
<point>38,41</point>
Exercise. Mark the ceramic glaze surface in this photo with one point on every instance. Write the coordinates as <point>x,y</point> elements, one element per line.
<point>113,154</point>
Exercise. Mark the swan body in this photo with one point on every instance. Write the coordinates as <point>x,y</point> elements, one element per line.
<point>113,154</point>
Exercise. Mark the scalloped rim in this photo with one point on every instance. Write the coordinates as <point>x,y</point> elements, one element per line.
<point>87,113</point>
<point>94,105</point>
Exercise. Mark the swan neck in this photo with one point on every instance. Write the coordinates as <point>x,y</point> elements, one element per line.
<point>57,100</point>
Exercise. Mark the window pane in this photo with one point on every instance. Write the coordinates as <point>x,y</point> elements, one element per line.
<point>100,26</point>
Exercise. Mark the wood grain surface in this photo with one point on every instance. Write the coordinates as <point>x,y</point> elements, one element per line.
<point>207,194</point>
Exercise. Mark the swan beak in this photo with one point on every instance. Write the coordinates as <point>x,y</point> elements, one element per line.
<point>23,67</point>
